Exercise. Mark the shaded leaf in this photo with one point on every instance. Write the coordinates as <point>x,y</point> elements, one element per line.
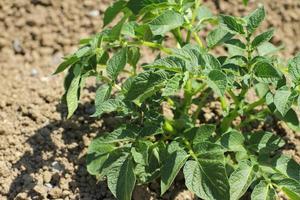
<point>263,191</point>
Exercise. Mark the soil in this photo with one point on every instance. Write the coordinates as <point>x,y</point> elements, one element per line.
<point>42,155</point>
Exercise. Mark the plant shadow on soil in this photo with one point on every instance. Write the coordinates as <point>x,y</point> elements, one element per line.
<point>47,141</point>
<point>84,186</point>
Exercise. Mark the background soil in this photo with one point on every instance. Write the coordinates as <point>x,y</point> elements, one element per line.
<point>42,156</point>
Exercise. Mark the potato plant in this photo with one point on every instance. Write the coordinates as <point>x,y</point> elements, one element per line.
<point>160,104</point>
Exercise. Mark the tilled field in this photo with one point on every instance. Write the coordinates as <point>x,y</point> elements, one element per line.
<point>42,156</point>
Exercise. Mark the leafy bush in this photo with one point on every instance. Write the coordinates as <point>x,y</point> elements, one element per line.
<point>221,160</point>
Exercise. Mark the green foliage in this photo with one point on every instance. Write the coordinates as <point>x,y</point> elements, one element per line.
<point>159,134</point>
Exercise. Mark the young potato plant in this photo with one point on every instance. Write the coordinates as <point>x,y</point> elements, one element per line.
<point>220,161</point>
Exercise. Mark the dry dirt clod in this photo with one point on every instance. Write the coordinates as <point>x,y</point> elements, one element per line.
<point>56,192</point>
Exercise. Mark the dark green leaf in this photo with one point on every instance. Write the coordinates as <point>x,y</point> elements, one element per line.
<point>233,24</point>
<point>67,63</point>
<point>264,37</point>
<point>266,73</point>
<point>265,142</point>
<point>113,11</point>
<point>72,92</point>
<point>145,85</point>
<point>136,5</point>
<point>117,63</point>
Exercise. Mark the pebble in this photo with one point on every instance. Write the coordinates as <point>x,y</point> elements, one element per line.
<point>94,13</point>
<point>33,72</point>
<point>47,176</point>
<point>56,167</point>
<point>17,46</point>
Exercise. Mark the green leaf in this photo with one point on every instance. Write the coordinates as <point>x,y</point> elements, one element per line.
<point>167,21</point>
<point>121,178</point>
<point>283,100</point>
<point>206,176</point>
<point>255,19</point>
<point>267,48</point>
<point>122,134</point>
<point>102,94</point>
<point>67,63</point>
<point>169,63</point>
<point>287,166</point>
<point>232,23</point>
<point>171,166</point>
<point>72,94</point>
<point>264,37</point>
<point>266,73</point>
<point>233,141</point>
<point>217,81</point>
<point>204,13</point>
<point>145,85</point>
<point>133,56</point>
<point>294,68</point>
<point>265,142</point>
<point>117,63</point>
<point>217,37</point>
<point>108,106</point>
<point>137,5</point>
<point>245,2</point>
<point>263,191</point>
<point>113,11</point>
<point>290,187</point>
<point>172,86</point>
<point>241,179</point>
<point>96,156</point>
<point>203,133</point>
<point>140,152</point>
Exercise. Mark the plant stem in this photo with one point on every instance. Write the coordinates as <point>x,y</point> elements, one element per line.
<point>254,105</point>
<point>151,45</point>
<point>201,104</point>
<point>178,36</point>
<point>194,15</point>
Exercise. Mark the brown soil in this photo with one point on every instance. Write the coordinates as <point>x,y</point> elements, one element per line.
<point>42,156</point>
